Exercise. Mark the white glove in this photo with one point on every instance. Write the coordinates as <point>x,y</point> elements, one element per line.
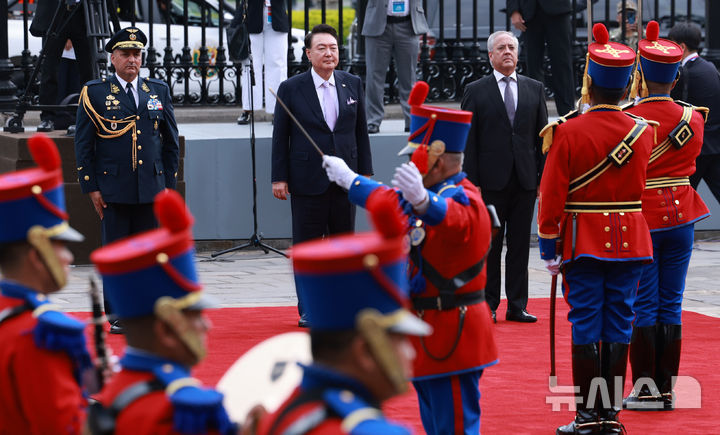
<point>407,178</point>
<point>338,171</point>
<point>553,266</point>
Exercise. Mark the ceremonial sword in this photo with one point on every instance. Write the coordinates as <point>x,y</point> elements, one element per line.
<point>297,123</point>
<point>98,320</point>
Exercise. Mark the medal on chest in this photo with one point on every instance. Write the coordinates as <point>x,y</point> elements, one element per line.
<point>417,233</point>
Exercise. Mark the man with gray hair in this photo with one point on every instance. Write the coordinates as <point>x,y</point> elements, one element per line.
<point>503,158</point>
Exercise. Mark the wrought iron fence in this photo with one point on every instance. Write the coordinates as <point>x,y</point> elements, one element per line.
<point>187,41</point>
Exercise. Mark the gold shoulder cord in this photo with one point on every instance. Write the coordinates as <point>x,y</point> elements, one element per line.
<point>105,133</point>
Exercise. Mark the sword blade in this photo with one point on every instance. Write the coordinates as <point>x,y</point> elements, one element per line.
<point>297,123</point>
<point>553,292</point>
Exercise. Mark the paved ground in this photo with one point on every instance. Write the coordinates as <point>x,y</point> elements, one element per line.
<point>252,278</point>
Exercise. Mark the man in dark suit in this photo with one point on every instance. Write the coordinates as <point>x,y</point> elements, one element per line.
<point>73,28</point>
<point>503,157</point>
<point>547,21</point>
<point>126,143</point>
<point>330,105</point>
<point>699,85</point>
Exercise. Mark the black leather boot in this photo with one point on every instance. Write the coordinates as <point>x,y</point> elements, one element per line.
<point>585,367</point>
<point>642,361</point>
<point>613,364</point>
<point>669,344</point>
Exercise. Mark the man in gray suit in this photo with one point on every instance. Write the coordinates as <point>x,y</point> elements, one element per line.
<point>391,28</point>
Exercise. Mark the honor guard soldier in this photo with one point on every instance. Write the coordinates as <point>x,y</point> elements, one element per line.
<point>151,281</point>
<point>671,207</point>
<point>126,143</point>
<point>450,234</point>
<point>42,351</point>
<point>590,198</point>
<point>355,293</point>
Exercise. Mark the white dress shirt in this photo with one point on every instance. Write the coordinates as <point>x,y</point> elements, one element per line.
<point>318,81</point>
<point>123,84</point>
<point>689,57</point>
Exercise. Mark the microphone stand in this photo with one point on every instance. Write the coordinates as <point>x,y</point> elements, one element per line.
<point>255,239</point>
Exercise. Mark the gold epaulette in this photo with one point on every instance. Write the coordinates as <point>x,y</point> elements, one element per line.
<point>650,122</point>
<point>548,131</point>
<point>628,105</point>
<point>123,125</point>
<point>704,111</point>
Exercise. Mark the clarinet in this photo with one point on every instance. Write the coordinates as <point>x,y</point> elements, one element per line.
<point>98,320</point>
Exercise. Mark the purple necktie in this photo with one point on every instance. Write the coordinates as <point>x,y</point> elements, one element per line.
<point>509,100</point>
<point>330,105</point>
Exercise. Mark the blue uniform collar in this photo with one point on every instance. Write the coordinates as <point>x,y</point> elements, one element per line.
<point>455,179</point>
<point>317,377</point>
<point>16,290</point>
<point>140,360</point>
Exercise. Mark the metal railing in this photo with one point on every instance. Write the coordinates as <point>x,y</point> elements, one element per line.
<point>197,68</point>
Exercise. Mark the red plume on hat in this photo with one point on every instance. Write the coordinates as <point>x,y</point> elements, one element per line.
<point>44,152</point>
<point>171,211</point>
<point>420,155</point>
<point>652,31</point>
<point>419,93</point>
<point>46,155</point>
<point>387,217</point>
<point>600,33</point>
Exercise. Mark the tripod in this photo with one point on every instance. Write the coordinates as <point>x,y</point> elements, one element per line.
<point>255,239</point>
<point>97,29</point>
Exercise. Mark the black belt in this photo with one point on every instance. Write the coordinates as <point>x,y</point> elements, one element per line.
<point>393,19</point>
<point>603,207</point>
<point>448,301</point>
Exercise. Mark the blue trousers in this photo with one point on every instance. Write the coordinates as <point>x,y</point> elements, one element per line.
<point>601,296</point>
<point>450,404</point>
<point>660,294</point>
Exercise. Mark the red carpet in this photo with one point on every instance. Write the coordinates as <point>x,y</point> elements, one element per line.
<point>514,391</point>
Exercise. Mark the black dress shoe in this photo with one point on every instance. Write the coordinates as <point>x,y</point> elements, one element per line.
<point>520,316</point>
<point>372,129</point>
<point>46,126</point>
<point>303,322</point>
<point>494,316</point>
<point>116,327</point>
<point>245,118</point>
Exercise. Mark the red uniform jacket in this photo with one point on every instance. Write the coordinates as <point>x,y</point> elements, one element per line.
<point>668,200</point>
<point>579,144</point>
<point>38,391</point>
<point>457,236</point>
<point>149,415</point>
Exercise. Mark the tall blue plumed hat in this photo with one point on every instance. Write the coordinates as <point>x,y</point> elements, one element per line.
<point>434,130</point>
<point>157,265</point>
<point>34,199</point>
<point>608,64</point>
<point>341,277</point>
<point>659,60</point>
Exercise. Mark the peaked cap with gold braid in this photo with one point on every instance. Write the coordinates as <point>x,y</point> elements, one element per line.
<point>128,38</point>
